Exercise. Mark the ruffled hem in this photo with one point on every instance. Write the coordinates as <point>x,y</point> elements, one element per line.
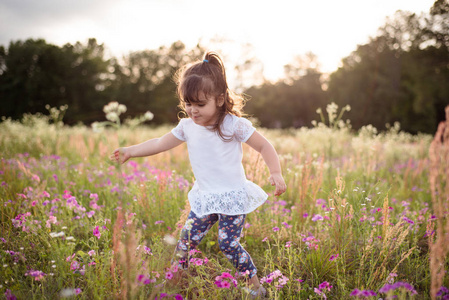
<point>236,202</point>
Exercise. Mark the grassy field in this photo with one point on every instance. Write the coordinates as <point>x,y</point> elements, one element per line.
<point>356,222</point>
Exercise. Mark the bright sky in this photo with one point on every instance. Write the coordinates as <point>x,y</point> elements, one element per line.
<point>278,30</point>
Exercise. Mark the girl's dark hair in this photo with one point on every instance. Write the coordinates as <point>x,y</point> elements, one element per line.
<point>208,76</point>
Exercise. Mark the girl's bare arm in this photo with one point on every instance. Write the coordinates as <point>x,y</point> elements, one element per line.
<point>148,148</point>
<point>259,143</point>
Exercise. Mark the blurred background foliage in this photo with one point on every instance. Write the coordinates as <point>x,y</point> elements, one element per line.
<point>400,75</point>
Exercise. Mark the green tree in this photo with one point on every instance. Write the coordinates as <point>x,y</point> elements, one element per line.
<point>400,75</point>
<point>34,73</point>
<point>144,80</point>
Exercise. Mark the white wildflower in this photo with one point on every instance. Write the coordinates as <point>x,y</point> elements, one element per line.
<point>57,234</point>
<point>148,116</point>
<point>188,225</point>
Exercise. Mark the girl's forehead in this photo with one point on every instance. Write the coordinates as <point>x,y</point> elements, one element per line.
<point>200,97</point>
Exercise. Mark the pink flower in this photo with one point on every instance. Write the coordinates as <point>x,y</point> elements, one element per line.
<point>286,225</point>
<point>74,265</point>
<point>169,275</point>
<point>226,275</point>
<point>96,232</point>
<point>225,280</point>
<point>275,229</point>
<point>91,252</point>
<point>69,258</point>
<point>51,220</point>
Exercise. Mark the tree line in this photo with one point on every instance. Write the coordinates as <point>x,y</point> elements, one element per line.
<point>400,75</point>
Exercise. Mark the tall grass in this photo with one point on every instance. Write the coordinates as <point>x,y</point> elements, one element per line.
<point>359,218</point>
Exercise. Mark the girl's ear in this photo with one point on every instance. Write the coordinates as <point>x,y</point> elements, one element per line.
<point>220,100</point>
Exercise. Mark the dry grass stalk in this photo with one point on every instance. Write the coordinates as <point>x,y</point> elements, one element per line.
<point>340,207</point>
<point>125,241</point>
<point>394,236</point>
<point>182,219</point>
<point>439,186</point>
<point>116,241</point>
<point>367,251</point>
<point>404,257</point>
<point>310,179</point>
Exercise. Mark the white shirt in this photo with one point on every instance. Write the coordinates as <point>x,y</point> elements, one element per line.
<point>221,186</point>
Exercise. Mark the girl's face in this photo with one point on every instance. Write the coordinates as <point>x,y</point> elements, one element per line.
<point>204,112</point>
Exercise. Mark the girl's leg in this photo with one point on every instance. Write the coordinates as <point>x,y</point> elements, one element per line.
<point>191,235</point>
<point>229,231</point>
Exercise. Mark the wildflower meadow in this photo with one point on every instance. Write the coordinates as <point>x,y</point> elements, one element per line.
<point>364,215</point>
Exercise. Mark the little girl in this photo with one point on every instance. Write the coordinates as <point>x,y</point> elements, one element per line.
<point>214,132</point>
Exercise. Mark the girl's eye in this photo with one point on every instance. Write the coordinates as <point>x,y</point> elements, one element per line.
<point>188,104</point>
<point>201,105</point>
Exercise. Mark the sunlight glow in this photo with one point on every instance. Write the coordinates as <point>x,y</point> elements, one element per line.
<point>277,30</point>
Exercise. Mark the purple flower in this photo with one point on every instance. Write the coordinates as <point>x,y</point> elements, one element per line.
<point>391,287</point>
<point>325,286</point>
<point>443,291</point>
<point>275,229</point>
<point>364,293</point>
<point>408,220</point>
<point>9,295</point>
<point>355,292</point>
<point>333,257</point>
<point>38,275</point>
<point>147,250</point>
<point>317,217</point>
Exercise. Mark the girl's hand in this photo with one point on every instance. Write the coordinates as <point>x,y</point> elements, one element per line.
<point>277,180</point>
<point>120,155</point>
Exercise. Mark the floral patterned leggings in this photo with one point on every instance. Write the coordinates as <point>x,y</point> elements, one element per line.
<point>229,231</point>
